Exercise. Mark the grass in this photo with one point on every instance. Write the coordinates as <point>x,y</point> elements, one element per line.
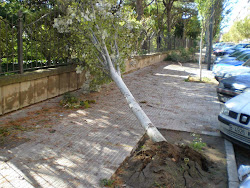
<point>203,80</point>
<point>8,130</point>
<point>197,143</point>
<point>106,182</point>
<point>71,101</point>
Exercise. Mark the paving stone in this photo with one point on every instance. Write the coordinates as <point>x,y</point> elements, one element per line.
<point>90,144</point>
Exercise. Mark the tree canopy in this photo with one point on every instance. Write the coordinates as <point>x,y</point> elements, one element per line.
<point>239,31</point>
<point>101,34</point>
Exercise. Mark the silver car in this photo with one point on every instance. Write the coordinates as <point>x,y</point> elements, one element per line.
<point>235,120</point>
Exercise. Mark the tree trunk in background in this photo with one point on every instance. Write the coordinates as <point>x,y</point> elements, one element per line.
<point>200,57</point>
<point>206,44</point>
<point>168,4</point>
<point>169,31</point>
<point>159,41</point>
<point>139,9</point>
<point>210,38</point>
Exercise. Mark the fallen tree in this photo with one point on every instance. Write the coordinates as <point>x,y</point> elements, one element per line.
<point>107,31</point>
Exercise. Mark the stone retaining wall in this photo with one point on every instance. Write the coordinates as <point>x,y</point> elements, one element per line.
<point>18,91</point>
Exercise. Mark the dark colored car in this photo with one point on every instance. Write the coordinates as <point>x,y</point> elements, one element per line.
<point>233,86</point>
<point>237,47</point>
<point>239,60</point>
<point>231,56</point>
<point>230,49</point>
<point>221,51</point>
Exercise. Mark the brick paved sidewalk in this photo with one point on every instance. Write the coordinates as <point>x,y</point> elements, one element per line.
<point>88,145</point>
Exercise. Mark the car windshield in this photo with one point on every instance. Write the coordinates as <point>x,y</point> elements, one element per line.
<point>242,57</point>
<point>247,57</point>
<point>236,54</point>
<point>247,63</point>
<point>247,46</point>
<point>239,45</point>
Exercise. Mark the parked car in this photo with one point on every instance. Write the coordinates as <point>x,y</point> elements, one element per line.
<point>233,86</point>
<point>231,56</point>
<point>242,56</point>
<point>217,45</point>
<point>234,120</point>
<point>221,51</point>
<point>229,71</point>
<point>236,62</point>
<point>237,47</point>
<point>223,45</point>
<point>231,49</point>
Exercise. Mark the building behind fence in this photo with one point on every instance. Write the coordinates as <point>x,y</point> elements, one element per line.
<point>28,43</point>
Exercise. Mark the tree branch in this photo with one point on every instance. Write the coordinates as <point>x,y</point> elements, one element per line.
<point>38,19</point>
<point>117,57</point>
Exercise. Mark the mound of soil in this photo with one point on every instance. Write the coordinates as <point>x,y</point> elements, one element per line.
<point>165,164</point>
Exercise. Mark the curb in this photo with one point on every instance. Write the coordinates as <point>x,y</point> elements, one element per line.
<point>232,172</point>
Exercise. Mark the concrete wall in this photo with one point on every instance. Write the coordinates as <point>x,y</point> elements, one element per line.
<point>143,61</point>
<point>18,91</point>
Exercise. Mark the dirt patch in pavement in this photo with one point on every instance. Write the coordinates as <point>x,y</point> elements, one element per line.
<point>174,163</point>
<point>13,127</point>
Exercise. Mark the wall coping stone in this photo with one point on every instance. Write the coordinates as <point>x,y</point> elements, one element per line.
<point>41,73</point>
<point>148,55</point>
<point>33,75</point>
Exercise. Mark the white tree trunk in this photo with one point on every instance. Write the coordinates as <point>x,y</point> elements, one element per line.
<point>145,122</point>
<point>200,57</point>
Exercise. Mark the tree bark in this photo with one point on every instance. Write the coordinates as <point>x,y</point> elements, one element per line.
<point>210,38</point>
<point>145,122</point>
<point>139,9</point>
<point>200,57</point>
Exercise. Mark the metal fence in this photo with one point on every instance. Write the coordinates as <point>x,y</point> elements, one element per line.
<point>156,43</point>
<point>28,43</point>
<point>31,43</point>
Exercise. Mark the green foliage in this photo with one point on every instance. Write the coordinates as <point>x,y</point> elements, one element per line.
<point>99,79</point>
<point>85,104</point>
<point>7,130</point>
<point>197,143</point>
<point>204,8</point>
<point>69,98</point>
<point>106,182</point>
<point>156,184</point>
<point>65,31</point>
<point>173,56</point>
<point>186,160</point>
<point>203,80</point>
<point>239,31</point>
<point>193,27</point>
<point>42,44</point>
<point>71,101</point>
<point>182,55</point>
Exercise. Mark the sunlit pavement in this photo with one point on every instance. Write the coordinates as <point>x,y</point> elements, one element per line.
<point>88,145</point>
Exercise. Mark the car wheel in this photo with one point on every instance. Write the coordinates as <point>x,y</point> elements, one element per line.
<point>220,98</point>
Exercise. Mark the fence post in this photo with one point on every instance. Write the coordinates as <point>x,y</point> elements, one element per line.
<point>0,57</point>
<point>174,44</point>
<point>0,64</point>
<point>20,41</point>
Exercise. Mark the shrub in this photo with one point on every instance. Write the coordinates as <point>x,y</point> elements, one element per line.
<point>182,55</point>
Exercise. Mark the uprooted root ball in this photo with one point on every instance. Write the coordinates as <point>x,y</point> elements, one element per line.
<point>166,165</point>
